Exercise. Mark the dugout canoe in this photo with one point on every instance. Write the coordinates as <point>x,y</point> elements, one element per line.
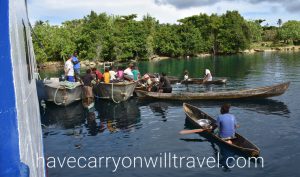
<point>199,81</point>
<point>117,92</point>
<point>260,92</point>
<point>240,143</point>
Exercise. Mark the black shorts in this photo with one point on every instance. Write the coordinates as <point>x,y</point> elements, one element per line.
<point>167,90</point>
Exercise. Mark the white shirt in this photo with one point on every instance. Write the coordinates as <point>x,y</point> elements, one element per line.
<point>128,72</point>
<point>209,77</point>
<point>186,77</point>
<point>69,67</point>
<point>112,75</point>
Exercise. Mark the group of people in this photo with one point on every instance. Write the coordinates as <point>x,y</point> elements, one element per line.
<point>226,123</point>
<point>131,73</point>
<point>159,83</point>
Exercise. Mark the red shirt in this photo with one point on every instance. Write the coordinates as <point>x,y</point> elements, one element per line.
<point>98,74</point>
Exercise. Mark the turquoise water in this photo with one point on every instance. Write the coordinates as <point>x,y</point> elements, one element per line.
<point>150,128</point>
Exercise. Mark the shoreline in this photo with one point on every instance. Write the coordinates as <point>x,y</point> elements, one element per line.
<point>54,65</point>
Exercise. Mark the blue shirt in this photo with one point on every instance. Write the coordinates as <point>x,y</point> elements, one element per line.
<point>75,59</point>
<point>226,124</point>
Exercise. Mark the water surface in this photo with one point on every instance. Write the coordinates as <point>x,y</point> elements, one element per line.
<point>149,128</point>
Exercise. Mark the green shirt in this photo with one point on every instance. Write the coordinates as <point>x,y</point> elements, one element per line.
<point>135,74</point>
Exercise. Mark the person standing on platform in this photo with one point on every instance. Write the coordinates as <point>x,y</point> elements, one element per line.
<point>69,70</point>
<point>76,64</point>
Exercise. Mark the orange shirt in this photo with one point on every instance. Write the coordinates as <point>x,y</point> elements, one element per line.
<point>106,76</point>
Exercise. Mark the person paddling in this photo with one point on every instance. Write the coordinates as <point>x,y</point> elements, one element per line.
<point>208,76</point>
<point>225,127</point>
<point>227,124</point>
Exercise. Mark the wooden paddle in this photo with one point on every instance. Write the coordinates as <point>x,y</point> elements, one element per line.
<point>184,132</point>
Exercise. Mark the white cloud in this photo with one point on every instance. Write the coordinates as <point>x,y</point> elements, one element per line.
<point>57,11</point>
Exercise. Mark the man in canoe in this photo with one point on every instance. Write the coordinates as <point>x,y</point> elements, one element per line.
<point>208,76</point>
<point>165,85</point>
<point>226,124</point>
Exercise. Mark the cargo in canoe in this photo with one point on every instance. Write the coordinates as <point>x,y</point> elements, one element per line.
<point>260,92</point>
<point>117,92</point>
<point>241,144</point>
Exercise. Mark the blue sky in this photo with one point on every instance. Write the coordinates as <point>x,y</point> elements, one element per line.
<point>166,11</point>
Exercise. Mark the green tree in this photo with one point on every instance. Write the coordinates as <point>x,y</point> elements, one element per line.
<point>290,31</point>
<point>255,30</point>
<point>234,33</point>
<point>167,41</point>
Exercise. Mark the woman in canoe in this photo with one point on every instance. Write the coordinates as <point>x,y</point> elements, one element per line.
<point>208,76</point>
<point>226,124</point>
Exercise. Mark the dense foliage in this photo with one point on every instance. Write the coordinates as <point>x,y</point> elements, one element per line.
<point>110,38</point>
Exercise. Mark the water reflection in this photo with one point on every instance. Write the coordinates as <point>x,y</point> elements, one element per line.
<point>124,116</point>
<point>219,152</point>
<point>93,123</point>
<point>262,106</point>
<point>64,116</point>
<point>160,108</point>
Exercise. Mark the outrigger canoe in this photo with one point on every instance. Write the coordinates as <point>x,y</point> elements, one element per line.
<point>241,144</point>
<point>260,92</point>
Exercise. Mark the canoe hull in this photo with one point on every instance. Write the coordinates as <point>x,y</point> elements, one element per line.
<point>61,95</point>
<point>240,143</point>
<point>261,92</point>
<point>116,92</point>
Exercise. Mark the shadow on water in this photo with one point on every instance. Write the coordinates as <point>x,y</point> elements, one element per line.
<point>263,106</point>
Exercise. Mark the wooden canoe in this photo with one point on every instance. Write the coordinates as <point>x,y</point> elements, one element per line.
<point>200,81</point>
<point>175,80</point>
<point>260,92</point>
<point>240,143</point>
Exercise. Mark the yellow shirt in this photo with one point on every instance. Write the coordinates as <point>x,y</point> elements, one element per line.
<point>106,76</point>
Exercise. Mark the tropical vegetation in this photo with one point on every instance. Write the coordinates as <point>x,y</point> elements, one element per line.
<point>105,37</point>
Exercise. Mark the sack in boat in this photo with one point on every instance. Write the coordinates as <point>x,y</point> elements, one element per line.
<point>204,123</point>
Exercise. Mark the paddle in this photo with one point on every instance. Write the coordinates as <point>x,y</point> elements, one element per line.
<point>184,132</point>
